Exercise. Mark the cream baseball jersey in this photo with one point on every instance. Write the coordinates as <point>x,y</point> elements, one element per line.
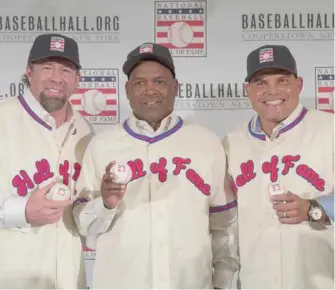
<point>175,222</point>
<point>34,151</point>
<point>299,155</point>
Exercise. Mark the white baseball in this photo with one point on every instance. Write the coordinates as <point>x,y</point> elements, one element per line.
<point>93,102</point>
<point>122,172</point>
<point>276,188</point>
<point>59,192</point>
<point>180,34</point>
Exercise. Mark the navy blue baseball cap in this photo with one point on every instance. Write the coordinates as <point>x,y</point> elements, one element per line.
<point>149,51</point>
<point>270,56</point>
<point>54,45</point>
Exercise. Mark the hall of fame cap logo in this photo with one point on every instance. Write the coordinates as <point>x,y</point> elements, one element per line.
<point>146,48</point>
<point>324,88</point>
<point>266,55</point>
<point>97,96</point>
<point>57,44</point>
<point>181,26</point>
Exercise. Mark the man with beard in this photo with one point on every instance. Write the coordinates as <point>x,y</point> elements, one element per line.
<point>282,164</point>
<point>174,222</point>
<point>43,140</point>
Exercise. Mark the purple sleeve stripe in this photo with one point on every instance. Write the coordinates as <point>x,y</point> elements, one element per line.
<point>223,207</point>
<point>80,200</point>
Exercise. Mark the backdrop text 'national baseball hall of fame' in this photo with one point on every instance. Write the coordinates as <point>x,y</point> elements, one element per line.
<point>97,96</point>
<point>181,26</point>
<point>324,88</point>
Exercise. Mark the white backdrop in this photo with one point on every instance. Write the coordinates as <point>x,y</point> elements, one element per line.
<point>209,40</point>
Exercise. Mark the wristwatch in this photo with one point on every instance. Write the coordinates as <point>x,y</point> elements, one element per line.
<point>315,211</point>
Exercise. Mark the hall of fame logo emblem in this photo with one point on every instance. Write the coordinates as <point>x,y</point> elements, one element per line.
<point>97,96</point>
<point>181,26</point>
<point>324,87</point>
<point>89,254</point>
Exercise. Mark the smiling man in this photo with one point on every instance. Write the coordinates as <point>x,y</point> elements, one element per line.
<point>43,141</point>
<point>281,164</point>
<point>174,222</point>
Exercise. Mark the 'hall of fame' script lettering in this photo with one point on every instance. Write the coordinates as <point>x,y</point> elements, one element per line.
<point>23,182</point>
<point>180,164</point>
<point>271,168</point>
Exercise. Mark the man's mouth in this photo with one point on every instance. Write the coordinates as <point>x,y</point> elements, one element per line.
<point>274,102</point>
<point>152,103</point>
<point>53,91</point>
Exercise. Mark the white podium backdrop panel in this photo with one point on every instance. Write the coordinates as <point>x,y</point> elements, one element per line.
<point>209,41</point>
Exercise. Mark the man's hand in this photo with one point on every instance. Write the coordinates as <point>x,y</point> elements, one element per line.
<point>41,211</point>
<point>290,208</point>
<point>111,192</point>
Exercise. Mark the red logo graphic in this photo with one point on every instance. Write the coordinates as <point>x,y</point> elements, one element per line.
<point>266,55</point>
<point>181,27</point>
<point>324,82</point>
<point>97,96</point>
<point>57,44</point>
<point>146,47</point>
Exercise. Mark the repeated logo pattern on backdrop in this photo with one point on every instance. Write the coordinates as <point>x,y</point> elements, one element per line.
<point>97,96</point>
<point>209,41</point>
<point>324,82</point>
<point>181,27</point>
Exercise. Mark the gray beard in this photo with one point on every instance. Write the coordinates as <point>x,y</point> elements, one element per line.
<point>52,104</point>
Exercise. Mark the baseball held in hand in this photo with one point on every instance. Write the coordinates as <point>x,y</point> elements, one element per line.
<point>276,188</point>
<point>122,172</point>
<point>59,192</point>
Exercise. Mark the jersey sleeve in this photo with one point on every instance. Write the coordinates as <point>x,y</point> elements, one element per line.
<point>223,225</point>
<point>12,208</point>
<point>327,203</point>
<point>222,194</point>
<point>12,212</point>
<point>90,214</point>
